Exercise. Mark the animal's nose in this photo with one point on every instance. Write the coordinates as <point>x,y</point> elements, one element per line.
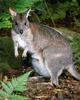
<point>21,31</point>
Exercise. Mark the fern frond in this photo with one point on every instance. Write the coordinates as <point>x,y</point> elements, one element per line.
<point>3,94</point>
<point>6,88</point>
<point>16,85</point>
<point>18,97</point>
<point>19,84</point>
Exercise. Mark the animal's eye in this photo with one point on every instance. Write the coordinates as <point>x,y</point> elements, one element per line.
<point>25,23</point>
<point>16,23</point>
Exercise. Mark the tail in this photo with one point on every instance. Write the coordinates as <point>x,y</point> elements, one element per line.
<point>73,72</point>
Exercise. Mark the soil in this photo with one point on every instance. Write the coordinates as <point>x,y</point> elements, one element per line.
<point>41,89</point>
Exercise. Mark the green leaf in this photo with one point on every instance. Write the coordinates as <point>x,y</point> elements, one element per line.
<point>17,97</point>
<point>20,88</point>
<point>3,94</point>
<point>21,82</point>
<point>16,84</point>
<point>10,86</point>
<point>6,88</point>
<point>19,5</point>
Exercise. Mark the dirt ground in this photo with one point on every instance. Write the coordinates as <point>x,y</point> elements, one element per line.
<point>40,89</point>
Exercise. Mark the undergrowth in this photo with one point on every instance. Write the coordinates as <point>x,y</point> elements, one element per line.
<point>11,90</point>
<point>7,58</point>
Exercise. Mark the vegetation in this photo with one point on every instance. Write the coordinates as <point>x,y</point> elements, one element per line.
<point>7,59</point>
<point>45,9</point>
<point>63,15</point>
<point>11,90</point>
<point>19,5</point>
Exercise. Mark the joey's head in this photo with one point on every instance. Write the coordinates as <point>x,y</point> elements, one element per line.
<point>20,22</point>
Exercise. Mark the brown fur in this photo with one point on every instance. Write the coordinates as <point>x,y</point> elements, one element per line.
<point>50,51</point>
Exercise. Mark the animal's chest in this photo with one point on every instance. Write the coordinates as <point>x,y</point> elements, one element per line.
<point>21,42</point>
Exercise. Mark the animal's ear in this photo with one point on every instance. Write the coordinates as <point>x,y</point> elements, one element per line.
<point>12,12</point>
<point>27,13</point>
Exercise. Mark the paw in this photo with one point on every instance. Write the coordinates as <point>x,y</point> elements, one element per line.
<point>16,54</point>
<point>24,54</point>
<point>55,82</point>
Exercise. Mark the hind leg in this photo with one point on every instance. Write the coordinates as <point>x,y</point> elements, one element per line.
<point>54,80</point>
<point>55,70</point>
<point>54,76</point>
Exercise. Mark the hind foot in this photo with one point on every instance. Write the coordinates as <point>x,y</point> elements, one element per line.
<point>54,80</point>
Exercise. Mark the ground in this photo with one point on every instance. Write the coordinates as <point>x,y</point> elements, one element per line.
<point>69,89</point>
<point>40,89</point>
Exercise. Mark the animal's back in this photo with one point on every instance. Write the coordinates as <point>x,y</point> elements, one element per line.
<point>56,49</point>
<point>45,36</point>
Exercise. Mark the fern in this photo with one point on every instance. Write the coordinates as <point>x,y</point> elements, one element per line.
<point>16,85</point>
<point>57,11</point>
<point>77,22</point>
<point>53,11</point>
